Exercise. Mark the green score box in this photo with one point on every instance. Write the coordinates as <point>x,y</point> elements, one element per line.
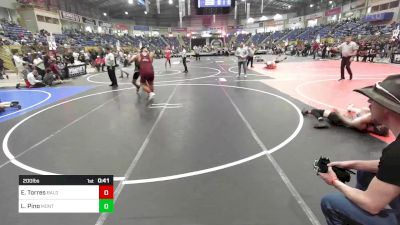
<point>106,205</point>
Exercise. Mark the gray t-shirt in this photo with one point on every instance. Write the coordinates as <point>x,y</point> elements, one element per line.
<point>241,54</point>
<point>349,49</point>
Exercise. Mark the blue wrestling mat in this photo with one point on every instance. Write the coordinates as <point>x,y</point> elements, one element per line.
<point>31,99</point>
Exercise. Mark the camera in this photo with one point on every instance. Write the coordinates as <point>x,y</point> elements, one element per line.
<point>321,166</point>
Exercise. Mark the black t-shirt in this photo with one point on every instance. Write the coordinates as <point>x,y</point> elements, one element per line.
<point>389,164</point>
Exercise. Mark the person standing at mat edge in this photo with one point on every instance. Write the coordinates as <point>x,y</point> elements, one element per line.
<point>250,56</point>
<point>242,53</point>
<point>110,63</point>
<point>183,54</point>
<point>348,49</point>
<point>376,197</point>
<point>167,53</point>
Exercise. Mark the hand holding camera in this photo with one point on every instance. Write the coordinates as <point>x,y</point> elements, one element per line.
<point>335,171</point>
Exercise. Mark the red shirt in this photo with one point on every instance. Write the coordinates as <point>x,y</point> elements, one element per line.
<point>168,54</point>
<point>98,61</point>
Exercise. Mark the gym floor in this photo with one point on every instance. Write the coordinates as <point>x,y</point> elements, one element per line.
<point>211,149</point>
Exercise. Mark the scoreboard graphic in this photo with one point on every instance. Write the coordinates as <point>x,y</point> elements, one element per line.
<point>66,194</point>
<point>214,3</point>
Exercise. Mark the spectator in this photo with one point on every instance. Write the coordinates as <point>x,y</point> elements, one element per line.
<point>250,56</point>
<point>315,48</point>
<point>55,68</point>
<point>376,198</point>
<point>46,60</point>
<point>51,78</point>
<point>99,63</point>
<point>32,79</point>
<point>241,54</point>
<point>2,70</point>
<point>39,64</point>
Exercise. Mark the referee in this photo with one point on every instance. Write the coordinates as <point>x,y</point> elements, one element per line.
<point>183,54</point>
<point>110,63</point>
<point>347,49</point>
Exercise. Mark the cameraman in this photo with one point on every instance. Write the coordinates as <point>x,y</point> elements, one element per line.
<point>378,181</point>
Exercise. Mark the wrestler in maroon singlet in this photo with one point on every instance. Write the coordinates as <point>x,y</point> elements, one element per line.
<point>146,72</point>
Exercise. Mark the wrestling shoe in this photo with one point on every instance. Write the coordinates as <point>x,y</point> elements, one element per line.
<point>304,112</point>
<point>151,96</point>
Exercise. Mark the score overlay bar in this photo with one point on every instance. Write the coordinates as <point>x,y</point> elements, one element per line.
<point>65,194</point>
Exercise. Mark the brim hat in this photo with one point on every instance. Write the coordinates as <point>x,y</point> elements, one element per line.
<point>385,93</point>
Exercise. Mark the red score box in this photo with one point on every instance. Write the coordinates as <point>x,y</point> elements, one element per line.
<point>106,192</point>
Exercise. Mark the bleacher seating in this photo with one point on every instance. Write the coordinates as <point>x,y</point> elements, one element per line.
<point>347,28</point>
<point>242,38</point>
<point>310,33</point>
<point>293,34</point>
<point>19,34</point>
<point>277,35</point>
<point>186,40</point>
<point>259,38</point>
<point>15,32</point>
<point>172,41</point>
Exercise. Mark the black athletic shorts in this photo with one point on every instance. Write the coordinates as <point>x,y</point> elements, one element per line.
<point>136,75</point>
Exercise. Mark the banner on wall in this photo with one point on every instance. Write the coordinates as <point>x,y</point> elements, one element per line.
<point>88,21</point>
<point>333,11</point>
<point>314,16</point>
<point>70,16</point>
<point>296,20</point>
<point>379,17</point>
<point>269,23</point>
<point>196,29</point>
<point>104,24</point>
<point>215,30</point>
<point>253,25</point>
<point>230,27</point>
<point>141,28</point>
<point>175,29</point>
<point>121,26</point>
<point>76,70</point>
<point>164,29</point>
<point>158,30</point>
